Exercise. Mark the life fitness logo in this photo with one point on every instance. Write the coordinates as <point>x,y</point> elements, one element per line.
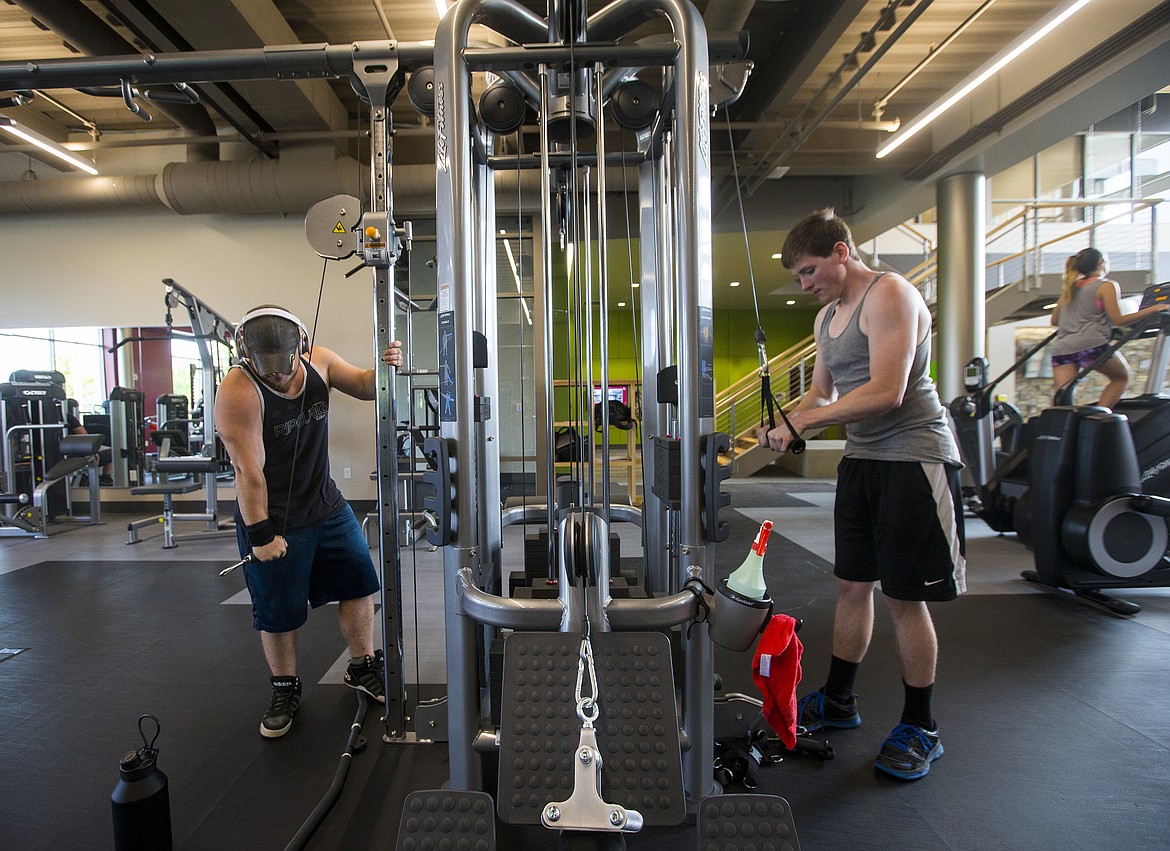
<point>34,392</point>
<point>702,113</point>
<point>441,127</point>
<point>1158,468</point>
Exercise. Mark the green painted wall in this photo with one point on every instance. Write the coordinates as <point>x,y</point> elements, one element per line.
<point>735,345</point>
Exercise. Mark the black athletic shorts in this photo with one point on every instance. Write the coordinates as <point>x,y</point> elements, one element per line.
<point>901,523</point>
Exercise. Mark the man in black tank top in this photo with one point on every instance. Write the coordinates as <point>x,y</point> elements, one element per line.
<point>898,519</point>
<point>306,546</point>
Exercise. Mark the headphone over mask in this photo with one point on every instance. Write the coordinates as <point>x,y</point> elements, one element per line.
<point>271,346</point>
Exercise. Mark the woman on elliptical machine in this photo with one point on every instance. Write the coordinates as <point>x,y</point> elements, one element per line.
<point>1085,314</point>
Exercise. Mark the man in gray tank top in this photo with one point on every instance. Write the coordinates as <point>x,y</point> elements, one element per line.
<point>898,519</point>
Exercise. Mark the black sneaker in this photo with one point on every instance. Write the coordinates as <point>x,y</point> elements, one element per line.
<point>286,697</point>
<point>365,674</point>
<point>909,751</point>
<point>818,711</point>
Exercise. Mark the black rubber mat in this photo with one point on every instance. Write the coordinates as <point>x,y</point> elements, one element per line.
<point>440,819</point>
<point>746,823</point>
<point>637,729</point>
<point>113,639</point>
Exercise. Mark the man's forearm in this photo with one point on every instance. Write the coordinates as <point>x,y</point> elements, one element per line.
<point>252,495</point>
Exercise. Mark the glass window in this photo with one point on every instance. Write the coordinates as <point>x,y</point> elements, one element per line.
<point>1153,164</point>
<point>1107,165</point>
<point>1059,169</point>
<point>25,348</point>
<point>186,370</point>
<point>75,352</point>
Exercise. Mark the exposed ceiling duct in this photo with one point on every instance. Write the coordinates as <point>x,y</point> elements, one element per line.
<point>289,185</point>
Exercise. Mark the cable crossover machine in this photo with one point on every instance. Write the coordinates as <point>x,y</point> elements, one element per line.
<point>593,736</point>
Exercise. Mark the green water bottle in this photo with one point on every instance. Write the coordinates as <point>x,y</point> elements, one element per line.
<point>747,580</point>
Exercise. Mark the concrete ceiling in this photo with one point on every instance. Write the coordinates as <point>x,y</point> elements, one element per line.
<point>829,79</point>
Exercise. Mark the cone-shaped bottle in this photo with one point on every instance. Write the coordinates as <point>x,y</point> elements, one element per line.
<point>748,579</point>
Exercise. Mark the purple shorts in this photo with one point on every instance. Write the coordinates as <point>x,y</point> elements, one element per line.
<point>1082,359</point>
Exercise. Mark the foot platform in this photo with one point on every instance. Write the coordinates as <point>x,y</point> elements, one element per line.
<point>437,818</point>
<point>742,822</point>
<point>637,729</point>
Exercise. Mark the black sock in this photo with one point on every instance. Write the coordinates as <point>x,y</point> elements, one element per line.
<point>917,710</point>
<point>839,685</point>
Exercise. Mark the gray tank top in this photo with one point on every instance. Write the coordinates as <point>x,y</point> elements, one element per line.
<point>917,430</point>
<point>1083,321</point>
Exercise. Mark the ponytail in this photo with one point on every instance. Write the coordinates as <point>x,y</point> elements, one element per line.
<point>1084,263</point>
<point>1071,276</point>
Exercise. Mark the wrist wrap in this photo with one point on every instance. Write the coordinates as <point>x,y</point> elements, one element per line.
<point>262,533</point>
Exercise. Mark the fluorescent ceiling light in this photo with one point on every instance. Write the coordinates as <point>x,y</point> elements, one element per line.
<point>441,7</point>
<point>46,144</point>
<point>996,65</point>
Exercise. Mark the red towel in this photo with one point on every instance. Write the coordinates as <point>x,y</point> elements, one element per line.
<point>780,675</point>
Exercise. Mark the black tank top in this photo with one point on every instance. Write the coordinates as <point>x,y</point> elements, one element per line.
<point>297,426</point>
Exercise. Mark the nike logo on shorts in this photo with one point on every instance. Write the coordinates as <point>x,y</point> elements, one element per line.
<point>935,582</point>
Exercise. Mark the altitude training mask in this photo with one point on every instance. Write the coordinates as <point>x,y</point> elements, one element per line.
<point>271,344</point>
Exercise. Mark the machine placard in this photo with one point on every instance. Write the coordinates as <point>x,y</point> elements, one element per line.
<point>447,402</point>
<point>706,363</point>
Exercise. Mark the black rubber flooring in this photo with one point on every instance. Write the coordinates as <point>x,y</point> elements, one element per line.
<point>1055,718</point>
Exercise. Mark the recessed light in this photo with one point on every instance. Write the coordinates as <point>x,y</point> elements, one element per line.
<point>634,285</point>
<point>777,256</point>
<point>791,301</point>
<point>1049,306</point>
<point>734,284</point>
<point>621,304</point>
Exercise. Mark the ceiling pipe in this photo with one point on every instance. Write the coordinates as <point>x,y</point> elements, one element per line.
<point>879,105</point>
<point>798,130</point>
<point>290,185</point>
<point>73,21</point>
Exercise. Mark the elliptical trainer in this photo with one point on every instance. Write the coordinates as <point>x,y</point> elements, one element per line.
<point>1083,487</point>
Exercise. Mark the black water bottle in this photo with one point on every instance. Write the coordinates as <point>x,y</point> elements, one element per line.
<point>141,801</point>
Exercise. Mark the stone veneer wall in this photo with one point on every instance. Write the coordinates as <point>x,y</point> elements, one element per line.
<point>1034,380</point>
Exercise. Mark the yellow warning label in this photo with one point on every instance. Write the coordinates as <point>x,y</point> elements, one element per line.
<point>338,228</point>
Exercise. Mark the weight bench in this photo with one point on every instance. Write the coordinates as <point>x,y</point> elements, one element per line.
<point>78,453</point>
<point>166,466</point>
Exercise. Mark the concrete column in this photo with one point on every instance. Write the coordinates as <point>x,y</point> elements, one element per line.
<point>962,258</point>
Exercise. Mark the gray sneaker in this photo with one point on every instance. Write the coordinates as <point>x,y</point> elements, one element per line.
<point>909,751</point>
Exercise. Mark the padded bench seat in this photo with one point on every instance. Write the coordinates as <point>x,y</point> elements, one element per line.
<point>165,488</point>
<point>194,465</point>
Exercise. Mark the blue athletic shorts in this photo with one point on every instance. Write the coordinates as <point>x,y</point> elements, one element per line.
<point>900,523</point>
<point>324,564</point>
